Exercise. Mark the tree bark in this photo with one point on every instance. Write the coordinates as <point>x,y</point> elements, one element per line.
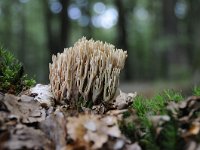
<point>23,34</point>
<point>122,34</point>
<point>6,8</point>
<point>64,25</point>
<point>192,25</point>
<point>57,39</point>
<point>169,17</point>
<point>86,10</point>
<point>169,25</point>
<point>52,39</point>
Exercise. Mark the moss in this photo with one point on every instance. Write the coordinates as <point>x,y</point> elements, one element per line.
<point>129,130</point>
<point>173,95</point>
<point>168,137</point>
<point>148,141</point>
<point>12,77</point>
<point>196,91</point>
<point>156,105</point>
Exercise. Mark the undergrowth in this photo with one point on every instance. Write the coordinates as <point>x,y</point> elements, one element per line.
<point>12,77</point>
<point>156,105</point>
<point>196,91</point>
<point>155,137</point>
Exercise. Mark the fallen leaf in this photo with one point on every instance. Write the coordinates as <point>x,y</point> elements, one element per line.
<point>123,100</point>
<point>133,146</point>
<point>55,127</point>
<point>94,131</point>
<point>23,137</point>
<point>24,108</point>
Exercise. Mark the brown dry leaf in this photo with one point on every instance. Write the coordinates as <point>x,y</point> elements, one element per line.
<point>173,108</point>
<point>122,101</point>
<point>98,109</point>
<point>133,146</point>
<point>1,96</point>
<point>195,128</point>
<point>76,130</point>
<point>186,113</point>
<point>158,120</point>
<point>24,108</point>
<point>55,127</point>
<point>94,132</point>
<point>189,116</point>
<point>23,137</point>
<point>3,120</point>
<point>188,107</point>
<point>6,119</point>
<point>192,130</point>
<point>192,145</point>
<point>3,107</point>
<point>117,113</point>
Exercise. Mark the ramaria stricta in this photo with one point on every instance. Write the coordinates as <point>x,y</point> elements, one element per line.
<point>89,71</point>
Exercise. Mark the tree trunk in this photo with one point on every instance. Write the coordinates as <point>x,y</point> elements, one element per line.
<point>23,35</point>
<point>122,34</point>
<point>64,25</point>
<point>169,18</point>
<point>169,25</point>
<point>86,10</point>
<point>52,39</point>
<point>57,39</point>
<point>6,8</point>
<point>192,25</point>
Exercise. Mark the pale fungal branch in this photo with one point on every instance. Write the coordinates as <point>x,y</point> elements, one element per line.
<point>89,69</point>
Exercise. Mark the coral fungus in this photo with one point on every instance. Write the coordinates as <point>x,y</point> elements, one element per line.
<point>90,69</point>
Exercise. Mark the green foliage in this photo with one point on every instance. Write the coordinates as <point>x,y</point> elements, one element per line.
<point>148,142</point>
<point>28,82</point>
<point>129,130</point>
<point>155,105</point>
<point>196,91</point>
<point>12,78</point>
<point>167,138</point>
<point>173,95</point>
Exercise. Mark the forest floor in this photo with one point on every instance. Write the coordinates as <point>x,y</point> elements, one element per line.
<point>168,120</point>
<point>149,89</point>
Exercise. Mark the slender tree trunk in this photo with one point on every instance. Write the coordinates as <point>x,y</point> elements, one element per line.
<point>64,25</point>
<point>191,26</point>
<point>23,34</point>
<point>169,24</point>
<point>57,39</point>
<point>86,10</point>
<point>7,23</point>
<point>52,39</point>
<point>122,34</point>
<point>169,18</point>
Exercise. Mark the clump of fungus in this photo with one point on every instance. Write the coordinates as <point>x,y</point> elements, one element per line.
<point>90,69</point>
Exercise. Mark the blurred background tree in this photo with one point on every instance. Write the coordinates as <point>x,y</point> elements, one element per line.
<point>161,36</point>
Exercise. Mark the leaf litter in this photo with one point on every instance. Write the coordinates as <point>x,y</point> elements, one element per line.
<point>26,123</point>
